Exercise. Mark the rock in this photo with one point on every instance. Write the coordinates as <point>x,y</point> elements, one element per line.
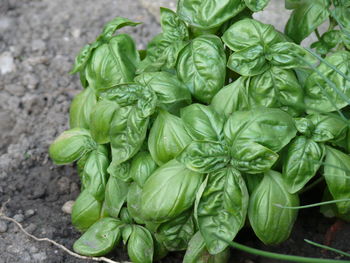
<point>5,23</point>
<point>63,185</point>
<point>30,81</point>
<point>33,249</point>
<point>38,45</point>
<point>19,218</point>
<point>13,249</point>
<point>29,213</point>
<point>3,226</point>
<point>16,89</point>
<point>76,32</point>
<point>68,206</point>
<point>7,63</point>
<point>31,228</point>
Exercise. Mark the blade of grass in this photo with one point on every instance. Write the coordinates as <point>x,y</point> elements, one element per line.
<point>327,248</point>
<point>312,205</point>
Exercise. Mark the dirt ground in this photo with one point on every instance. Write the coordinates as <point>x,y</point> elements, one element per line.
<point>38,42</point>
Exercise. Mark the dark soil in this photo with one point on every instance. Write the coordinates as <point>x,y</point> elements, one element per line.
<point>41,38</point>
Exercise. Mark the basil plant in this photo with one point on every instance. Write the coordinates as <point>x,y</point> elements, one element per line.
<point>218,124</point>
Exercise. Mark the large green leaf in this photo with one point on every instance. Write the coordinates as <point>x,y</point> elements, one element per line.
<point>81,108</point>
<point>303,159</point>
<point>167,137</point>
<point>169,191</point>
<point>222,208</point>
<point>256,5</point>
<point>140,245</point>
<point>173,27</point>
<point>331,95</point>
<point>272,224</point>
<point>208,14</point>
<point>100,238</point>
<point>134,202</point>
<point>337,175</point>
<point>142,166</point>
<point>202,122</point>
<point>71,145</point>
<point>115,195</point>
<point>202,67</point>
<point>307,16</point>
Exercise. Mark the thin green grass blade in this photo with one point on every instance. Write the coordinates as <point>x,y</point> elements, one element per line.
<point>327,248</point>
<point>312,205</point>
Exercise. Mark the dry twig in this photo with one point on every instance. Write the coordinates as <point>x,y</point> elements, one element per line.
<point>100,259</point>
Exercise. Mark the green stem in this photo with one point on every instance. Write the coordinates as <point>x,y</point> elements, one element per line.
<point>318,34</point>
<point>313,205</point>
<point>279,256</point>
<point>307,188</point>
<point>327,247</point>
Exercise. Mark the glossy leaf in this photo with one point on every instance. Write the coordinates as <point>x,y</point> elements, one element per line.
<point>176,233</point>
<point>250,61</point>
<point>112,63</point>
<point>140,245</point>
<point>167,137</point>
<point>202,122</point>
<point>115,24</point>
<point>197,252</point>
<point>169,191</point>
<point>208,14</point>
<point>173,27</point>
<point>71,145</point>
<point>320,95</point>
<point>276,88</point>
<point>202,67</point>
<point>81,108</point>
<point>171,93</point>
<point>337,173</point>
<point>142,166</point>
<point>94,176</point>
<point>306,18</point>
<point>115,195</point>
<point>256,5</point>
<point>101,117</point>
<point>304,157</point>
<point>86,211</point>
<point>222,208</point>
<point>100,238</point>
<point>272,224</point>
<point>134,202</point>
<point>204,156</point>
<point>249,32</point>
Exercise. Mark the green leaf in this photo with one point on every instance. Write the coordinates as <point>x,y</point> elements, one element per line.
<point>202,122</point>
<point>171,93</point>
<point>249,32</point>
<point>306,18</point>
<point>115,195</point>
<point>176,233</point>
<point>337,175</point>
<point>289,55</point>
<point>134,202</point>
<point>114,25</point>
<point>276,88</point>
<point>94,176</point>
<point>272,128</point>
<point>81,108</point>
<point>208,14</point>
<point>125,216</point>
<point>292,4</point>
<point>169,191</point>
<point>112,63</point>
<point>71,145</point>
<point>126,233</point>
<point>222,208</point>
<point>304,157</point>
<point>101,118</point>
<point>173,27</point>
<point>140,245</point>
<point>83,56</point>
<point>100,239</point>
<point>142,166</point>
<point>167,137</point>
<point>272,224</point>
<point>204,156</point>
<point>319,94</point>
<point>202,67</point>
<point>86,211</point>
<point>256,5</point>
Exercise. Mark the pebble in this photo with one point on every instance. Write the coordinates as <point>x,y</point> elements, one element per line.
<point>39,257</point>
<point>29,213</point>
<point>68,206</point>
<point>33,249</point>
<point>13,249</point>
<point>7,63</point>
<point>31,81</point>
<point>63,184</point>
<point>19,218</point>
<point>38,45</point>
<point>31,228</point>
<point>3,226</point>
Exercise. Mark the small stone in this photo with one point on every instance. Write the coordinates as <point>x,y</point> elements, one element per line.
<point>63,185</point>
<point>3,227</point>
<point>13,249</point>
<point>7,63</point>
<point>25,257</point>
<point>29,213</point>
<point>19,218</point>
<point>16,89</point>
<point>5,23</point>
<point>68,206</point>
<point>31,228</point>
<point>30,81</point>
<point>76,33</point>
<point>38,45</point>
<point>33,249</point>
<point>39,257</point>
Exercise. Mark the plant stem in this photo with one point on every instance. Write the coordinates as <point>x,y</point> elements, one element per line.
<point>327,248</point>
<point>313,205</point>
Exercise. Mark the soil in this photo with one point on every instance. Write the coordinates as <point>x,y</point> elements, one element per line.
<point>38,42</point>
